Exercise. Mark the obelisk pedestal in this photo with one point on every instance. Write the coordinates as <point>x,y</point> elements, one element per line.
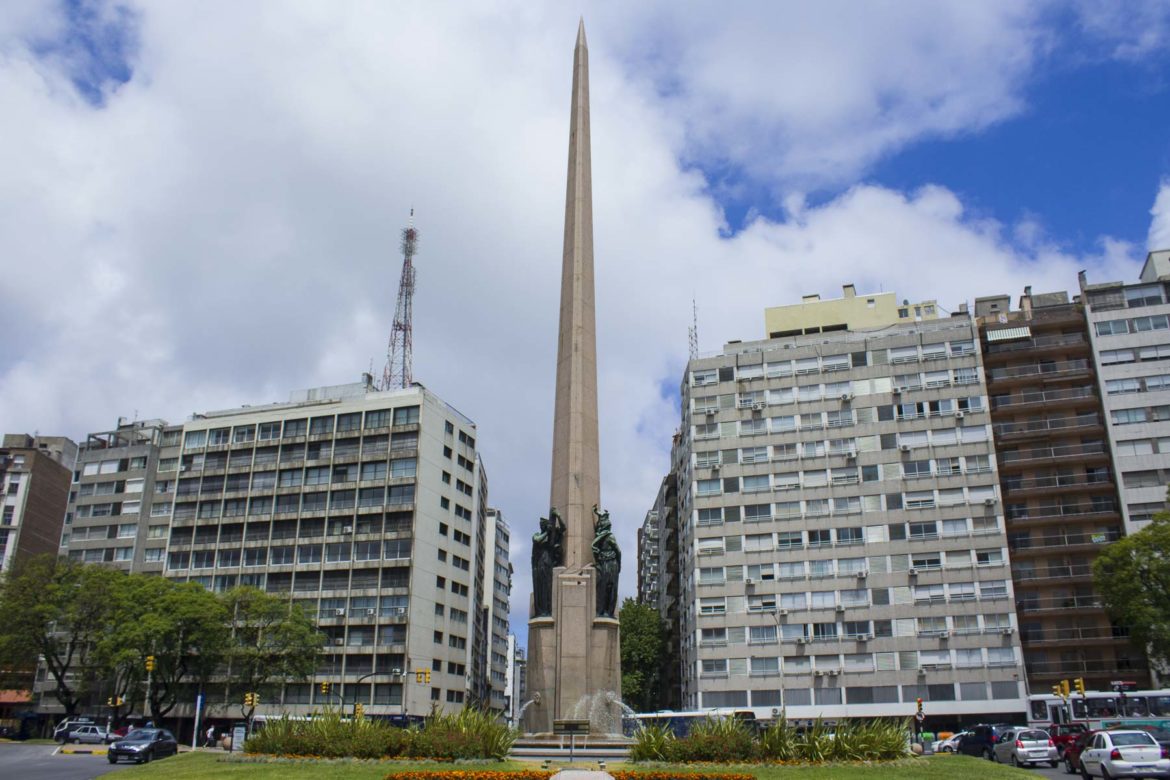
<point>574,661</point>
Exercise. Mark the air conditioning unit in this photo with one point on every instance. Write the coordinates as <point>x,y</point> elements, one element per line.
<point>750,582</point>
<point>801,640</point>
<point>400,610</point>
<point>339,642</point>
<point>846,397</point>
<point>710,412</point>
<point>1008,631</point>
<point>715,468</point>
<point>904,447</point>
<point>833,672</point>
<point>840,607</point>
<point>395,672</point>
<point>864,637</point>
<point>989,502</point>
<point>339,613</point>
<point>371,612</point>
<point>861,575</point>
<point>914,572</point>
<point>347,529</point>
<point>783,613</point>
<point>944,634</point>
<point>896,390</point>
<point>960,415</point>
<point>851,455</point>
<point>818,673</point>
<point>758,406</point>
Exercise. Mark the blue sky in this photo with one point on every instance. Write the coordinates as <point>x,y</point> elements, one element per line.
<point>213,193</point>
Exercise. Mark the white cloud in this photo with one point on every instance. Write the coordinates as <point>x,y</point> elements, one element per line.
<point>226,228</point>
<point>1160,222</point>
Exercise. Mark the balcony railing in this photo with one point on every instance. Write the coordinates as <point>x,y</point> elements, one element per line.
<point>1059,481</point>
<point>1039,342</point>
<point>1043,369</point>
<point>1051,424</point>
<point>1050,453</point>
<point>1043,397</point>
<point>1059,541</point>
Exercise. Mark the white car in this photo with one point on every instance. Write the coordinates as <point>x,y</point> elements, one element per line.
<point>1124,753</point>
<point>948,745</point>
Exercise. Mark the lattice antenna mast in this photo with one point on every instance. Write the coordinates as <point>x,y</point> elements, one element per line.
<point>398,353</point>
<point>693,331</point>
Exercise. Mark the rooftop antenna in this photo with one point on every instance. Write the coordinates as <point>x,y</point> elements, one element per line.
<point>693,331</point>
<point>398,353</point>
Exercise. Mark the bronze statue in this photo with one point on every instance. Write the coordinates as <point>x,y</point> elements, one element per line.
<point>607,560</point>
<point>548,552</point>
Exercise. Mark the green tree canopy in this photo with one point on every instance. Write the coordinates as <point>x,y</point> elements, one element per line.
<point>643,636</point>
<point>271,640</point>
<point>1133,577</point>
<point>59,610</point>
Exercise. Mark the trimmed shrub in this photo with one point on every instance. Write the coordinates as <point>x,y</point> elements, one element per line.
<point>723,740</point>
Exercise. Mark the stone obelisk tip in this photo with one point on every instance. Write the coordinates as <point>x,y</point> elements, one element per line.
<point>581,34</point>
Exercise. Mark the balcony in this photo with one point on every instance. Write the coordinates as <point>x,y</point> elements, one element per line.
<point>1038,455</point>
<point>1055,370</point>
<point>1081,572</point>
<point>1040,344</point>
<point>1063,543</point>
<point>1044,398</point>
<point>1078,634</point>
<point>1056,483</point>
<point>1042,428</point>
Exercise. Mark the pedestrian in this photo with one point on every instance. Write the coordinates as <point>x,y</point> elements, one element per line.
<point>210,737</point>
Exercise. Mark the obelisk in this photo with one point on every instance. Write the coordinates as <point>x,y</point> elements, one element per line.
<point>574,666</point>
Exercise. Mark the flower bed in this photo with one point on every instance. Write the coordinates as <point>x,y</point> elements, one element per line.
<point>663,775</point>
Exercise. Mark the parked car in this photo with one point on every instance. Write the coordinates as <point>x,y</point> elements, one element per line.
<point>1064,734</point>
<point>62,729</point>
<point>1124,752</point>
<point>981,739</point>
<point>87,733</point>
<point>143,745</point>
<point>1073,750</point>
<point>1024,746</point>
<point>948,745</point>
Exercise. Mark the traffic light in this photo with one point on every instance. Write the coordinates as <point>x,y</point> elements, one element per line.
<point>419,676</point>
<point>251,699</point>
<point>1057,690</point>
<point>920,705</point>
<point>359,710</point>
<point>1080,684</point>
<point>428,676</point>
<point>324,689</point>
<point>1064,688</point>
<point>115,701</point>
<point>150,663</point>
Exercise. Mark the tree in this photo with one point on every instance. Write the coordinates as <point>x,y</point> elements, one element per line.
<point>271,640</point>
<point>643,635</point>
<point>1133,577</point>
<point>58,609</point>
<point>182,626</point>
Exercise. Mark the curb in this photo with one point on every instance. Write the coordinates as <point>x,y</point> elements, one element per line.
<point>76,750</point>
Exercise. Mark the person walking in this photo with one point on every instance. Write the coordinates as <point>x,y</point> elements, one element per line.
<point>210,737</point>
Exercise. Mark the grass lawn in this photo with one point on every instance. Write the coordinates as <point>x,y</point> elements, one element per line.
<point>211,766</point>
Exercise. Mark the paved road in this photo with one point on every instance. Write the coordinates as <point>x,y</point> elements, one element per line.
<point>37,762</point>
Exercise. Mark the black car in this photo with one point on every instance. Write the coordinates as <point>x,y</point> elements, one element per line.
<point>981,740</point>
<point>142,745</point>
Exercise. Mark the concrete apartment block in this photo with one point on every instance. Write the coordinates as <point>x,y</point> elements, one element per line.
<point>1130,332</point>
<point>842,547</point>
<point>367,508</point>
<point>34,492</point>
<point>1059,487</point>
<point>849,312</point>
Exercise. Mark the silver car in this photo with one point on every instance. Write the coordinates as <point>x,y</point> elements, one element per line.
<point>1023,746</point>
<point>91,734</point>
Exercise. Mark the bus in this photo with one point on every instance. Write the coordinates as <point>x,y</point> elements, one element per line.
<point>1102,710</point>
<point>680,722</point>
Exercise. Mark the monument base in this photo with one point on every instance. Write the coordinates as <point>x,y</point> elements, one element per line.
<point>574,659</point>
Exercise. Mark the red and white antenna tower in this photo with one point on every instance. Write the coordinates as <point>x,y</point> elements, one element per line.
<point>398,353</point>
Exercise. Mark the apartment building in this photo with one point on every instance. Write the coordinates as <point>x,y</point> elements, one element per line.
<point>367,508</point>
<point>648,560</point>
<point>842,548</point>
<point>1130,333</point>
<point>34,492</point>
<point>1058,485</point>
